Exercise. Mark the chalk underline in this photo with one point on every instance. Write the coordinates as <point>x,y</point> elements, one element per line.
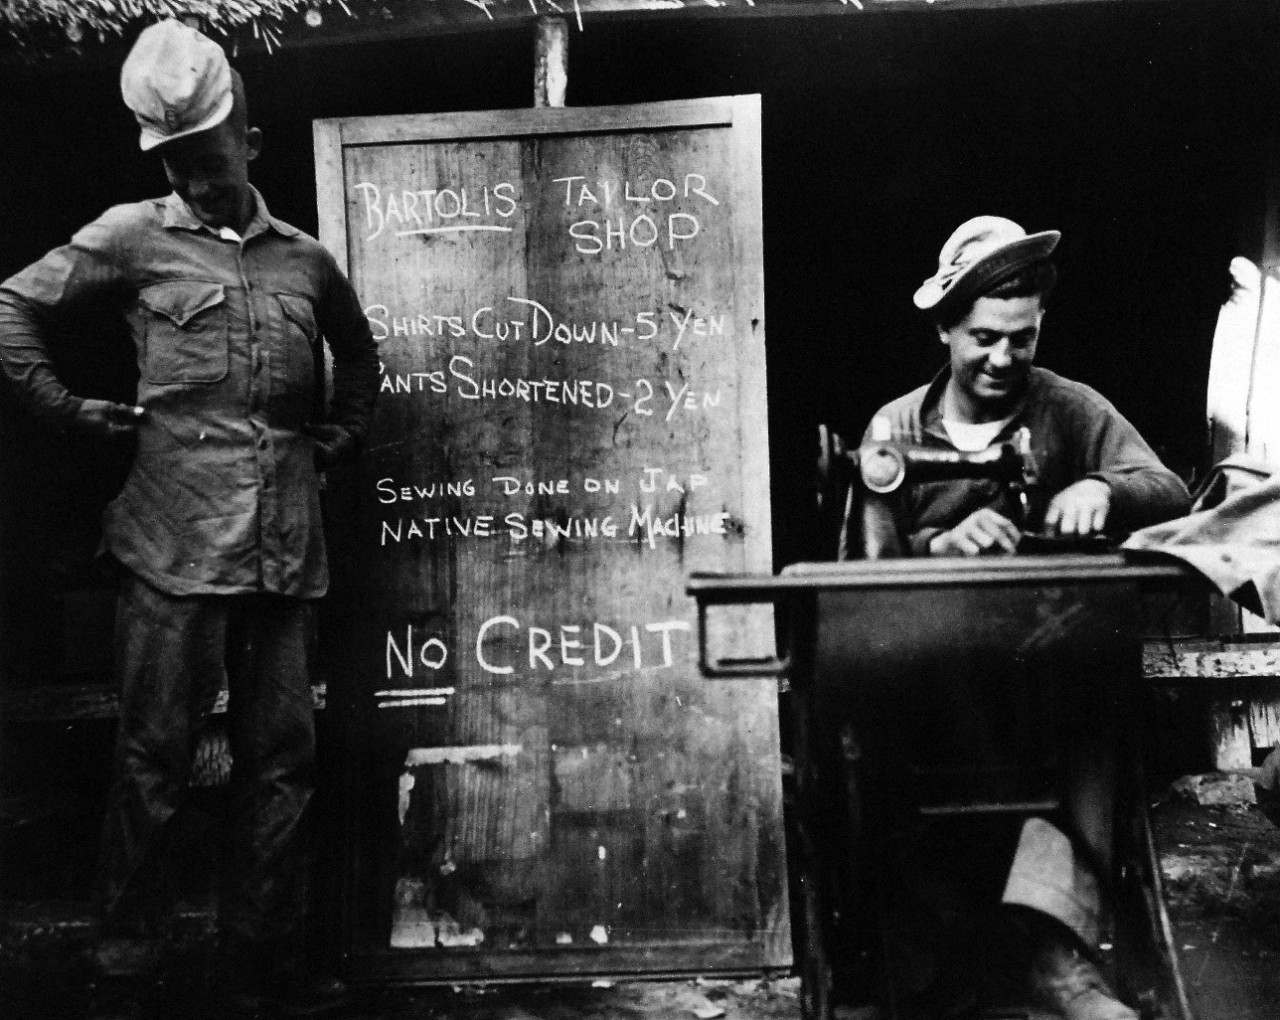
<point>452,230</point>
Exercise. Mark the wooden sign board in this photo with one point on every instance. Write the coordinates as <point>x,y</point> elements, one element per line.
<point>569,307</point>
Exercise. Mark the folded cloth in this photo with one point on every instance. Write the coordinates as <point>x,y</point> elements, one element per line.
<point>1231,536</point>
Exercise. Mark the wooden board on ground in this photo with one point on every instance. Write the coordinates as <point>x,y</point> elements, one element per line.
<point>569,307</point>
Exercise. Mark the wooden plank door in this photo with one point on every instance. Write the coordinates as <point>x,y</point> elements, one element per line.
<point>569,307</point>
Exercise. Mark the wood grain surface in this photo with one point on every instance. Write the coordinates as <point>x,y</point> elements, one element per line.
<point>569,307</point>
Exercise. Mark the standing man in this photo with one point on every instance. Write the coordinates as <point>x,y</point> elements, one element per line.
<point>1096,474</point>
<point>217,529</point>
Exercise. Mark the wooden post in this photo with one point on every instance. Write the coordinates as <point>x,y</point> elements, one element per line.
<point>551,62</point>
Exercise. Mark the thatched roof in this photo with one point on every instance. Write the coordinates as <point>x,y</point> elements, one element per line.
<point>35,29</point>
<point>44,26</point>
<point>41,28</point>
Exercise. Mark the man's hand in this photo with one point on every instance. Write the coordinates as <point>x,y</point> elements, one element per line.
<point>332,443</point>
<point>983,531</point>
<point>1079,509</point>
<point>105,418</point>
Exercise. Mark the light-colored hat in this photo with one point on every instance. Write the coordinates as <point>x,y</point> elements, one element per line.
<point>981,252</point>
<point>176,81</point>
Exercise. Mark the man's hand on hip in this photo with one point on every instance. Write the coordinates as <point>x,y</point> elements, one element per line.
<point>983,532</point>
<point>332,443</point>
<point>1079,509</point>
<point>106,418</point>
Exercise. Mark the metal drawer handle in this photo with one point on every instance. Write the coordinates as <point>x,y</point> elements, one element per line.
<point>733,668</point>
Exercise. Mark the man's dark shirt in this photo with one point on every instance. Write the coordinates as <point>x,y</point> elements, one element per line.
<point>1076,433</point>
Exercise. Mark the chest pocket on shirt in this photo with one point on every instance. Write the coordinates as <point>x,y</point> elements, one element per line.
<point>300,337</point>
<point>186,332</point>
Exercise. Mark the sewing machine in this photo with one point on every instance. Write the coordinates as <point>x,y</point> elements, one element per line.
<point>939,688</point>
<point>859,492</point>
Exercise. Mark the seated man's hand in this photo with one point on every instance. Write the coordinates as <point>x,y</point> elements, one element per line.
<point>332,443</point>
<point>106,418</point>
<point>983,531</point>
<point>1079,509</point>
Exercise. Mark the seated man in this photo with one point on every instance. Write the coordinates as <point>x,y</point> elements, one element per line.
<point>1095,473</point>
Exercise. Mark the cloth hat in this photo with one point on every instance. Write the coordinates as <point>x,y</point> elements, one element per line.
<point>981,252</point>
<point>176,81</point>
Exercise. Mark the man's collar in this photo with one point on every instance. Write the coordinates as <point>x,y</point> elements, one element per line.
<point>931,405</point>
<point>178,216</point>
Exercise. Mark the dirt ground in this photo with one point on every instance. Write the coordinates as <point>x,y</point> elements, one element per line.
<point>1222,869</point>
<point>1221,866</point>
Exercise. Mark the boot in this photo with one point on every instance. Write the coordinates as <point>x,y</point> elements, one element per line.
<point>1067,982</point>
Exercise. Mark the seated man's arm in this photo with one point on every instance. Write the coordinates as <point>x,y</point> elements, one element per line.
<point>1124,485</point>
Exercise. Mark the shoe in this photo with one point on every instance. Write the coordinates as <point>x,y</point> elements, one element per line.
<point>1065,981</point>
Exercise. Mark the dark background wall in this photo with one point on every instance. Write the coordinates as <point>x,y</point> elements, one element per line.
<point>1141,130</point>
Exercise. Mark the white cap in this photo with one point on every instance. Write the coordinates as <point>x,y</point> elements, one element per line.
<point>176,81</point>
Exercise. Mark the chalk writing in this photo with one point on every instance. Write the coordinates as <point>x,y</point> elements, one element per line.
<point>515,525</point>
<point>643,231</point>
<point>504,644</point>
<point>649,480</point>
<point>652,526</point>
<point>431,528</point>
<point>513,486</point>
<point>587,392</point>
<point>579,191</point>
<point>413,382</point>
<point>547,650</point>
<point>461,379</point>
<point>538,328</point>
<point>653,479</point>
<point>690,399</point>
<point>431,652</point>
<point>389,492</point>
<point>437,210</point>
<point>633,229</point>
<point>414,697</point>
<point>644,523</point>
<point>696,325</point>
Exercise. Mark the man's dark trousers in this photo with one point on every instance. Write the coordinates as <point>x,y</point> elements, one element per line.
<point>172,655</point>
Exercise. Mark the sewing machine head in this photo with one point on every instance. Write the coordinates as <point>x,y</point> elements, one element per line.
<point>885,466</point>
<point>874,475</point>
